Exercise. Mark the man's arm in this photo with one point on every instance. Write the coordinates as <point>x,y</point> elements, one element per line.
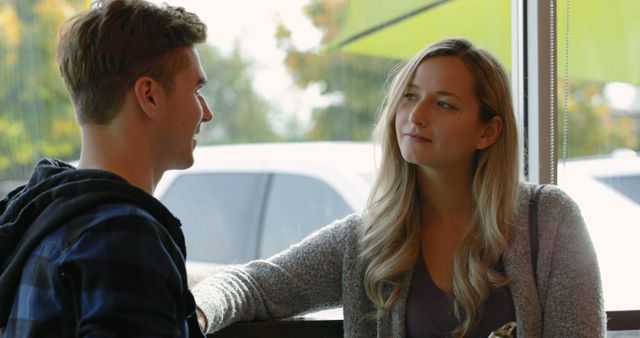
<point>126,276</point>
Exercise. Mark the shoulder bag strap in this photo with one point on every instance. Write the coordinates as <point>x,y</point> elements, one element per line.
<point>533,230</point>
<point>533,241</point>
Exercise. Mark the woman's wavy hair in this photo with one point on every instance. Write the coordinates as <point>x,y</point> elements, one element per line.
<point>390,240</point>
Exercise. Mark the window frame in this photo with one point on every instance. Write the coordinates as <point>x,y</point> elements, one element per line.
<point>534,87</point>
<point>534,91</point>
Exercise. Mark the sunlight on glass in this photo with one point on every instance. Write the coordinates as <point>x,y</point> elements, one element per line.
<point>599,135</point>
<point>622,96</point>
<point>314,70</point>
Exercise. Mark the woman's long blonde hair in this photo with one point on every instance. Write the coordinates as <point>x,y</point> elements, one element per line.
<point>390,241</point>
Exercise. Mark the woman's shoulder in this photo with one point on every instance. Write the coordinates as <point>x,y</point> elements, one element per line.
<point>351,222</point>
<point>555,208</point>
<point>550,198</point>
<point>347,227</point>
<point>343,231</point>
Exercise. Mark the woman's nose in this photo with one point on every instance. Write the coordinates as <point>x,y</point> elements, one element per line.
<point>419,113</point>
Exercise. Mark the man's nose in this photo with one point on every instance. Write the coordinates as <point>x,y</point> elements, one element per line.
<point>207,112</point>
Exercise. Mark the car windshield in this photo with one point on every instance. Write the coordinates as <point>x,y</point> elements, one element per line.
<point>628,185</point>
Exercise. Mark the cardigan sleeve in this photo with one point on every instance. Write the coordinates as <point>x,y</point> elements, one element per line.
<point>306,277</point>
<point>568,273</point>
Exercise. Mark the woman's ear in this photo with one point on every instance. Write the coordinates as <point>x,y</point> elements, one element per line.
<point>492,131</point>
<point>146,92</point>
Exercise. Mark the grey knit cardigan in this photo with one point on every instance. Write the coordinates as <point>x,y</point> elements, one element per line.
<point>324,271</point>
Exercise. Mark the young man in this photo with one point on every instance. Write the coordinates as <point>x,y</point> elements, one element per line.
<point>88,252</point>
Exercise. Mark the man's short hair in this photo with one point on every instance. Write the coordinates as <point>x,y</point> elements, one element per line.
<point>104,50</point>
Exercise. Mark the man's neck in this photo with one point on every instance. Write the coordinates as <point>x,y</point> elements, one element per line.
<point>124,155</point>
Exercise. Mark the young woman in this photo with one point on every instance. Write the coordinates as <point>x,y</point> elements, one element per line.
<point>443,247</point>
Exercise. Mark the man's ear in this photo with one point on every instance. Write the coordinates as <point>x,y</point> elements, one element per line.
<point>492,131</point>
<point>147,91</point>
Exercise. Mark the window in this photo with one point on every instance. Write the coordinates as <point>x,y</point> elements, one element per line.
<point>628,185</point>
<point>598,133</point>
<point>315,70</point>
<point>220,214</point>
<point>296,206</point>
<point>233,217</point>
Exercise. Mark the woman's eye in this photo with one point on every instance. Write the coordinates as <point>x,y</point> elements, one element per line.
<point>409,96</point>
<point>445,105</point>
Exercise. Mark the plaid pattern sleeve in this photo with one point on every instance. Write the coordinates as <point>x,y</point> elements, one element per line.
<point>112,273</point>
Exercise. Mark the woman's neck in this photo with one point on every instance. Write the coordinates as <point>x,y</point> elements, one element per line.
<point>446,213</point>
<point>444,197</point>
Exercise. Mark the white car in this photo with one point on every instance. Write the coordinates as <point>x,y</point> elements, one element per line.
<point>607,190</point>
<point>242,202</point>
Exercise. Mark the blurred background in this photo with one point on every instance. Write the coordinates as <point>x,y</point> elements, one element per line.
<point>315,70</point>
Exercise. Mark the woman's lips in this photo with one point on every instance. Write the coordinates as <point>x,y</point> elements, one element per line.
<point>417,137</point>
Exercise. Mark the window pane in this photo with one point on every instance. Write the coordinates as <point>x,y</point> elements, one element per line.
<point>599,134</point>
<point>36,117</point>
<point>629,185</point>
<point>296,206</point>
<point>219,213</point>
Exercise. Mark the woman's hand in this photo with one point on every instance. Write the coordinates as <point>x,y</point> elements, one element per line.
<point>202,319</point>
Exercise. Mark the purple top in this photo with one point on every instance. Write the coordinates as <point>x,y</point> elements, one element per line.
<point>430,310</point>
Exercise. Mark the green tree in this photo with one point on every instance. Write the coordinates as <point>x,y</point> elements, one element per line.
<point>356,80</point>
<point>240,114</point>
<point>37,118</point>
<point>593,127</point>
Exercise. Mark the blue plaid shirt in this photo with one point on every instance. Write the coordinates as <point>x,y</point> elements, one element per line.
<point>112,271</point>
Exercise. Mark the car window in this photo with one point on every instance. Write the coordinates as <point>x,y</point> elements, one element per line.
<point>367,177</point>
<point>628,185</point>
<point>220,213</point>
<point>296,206</point>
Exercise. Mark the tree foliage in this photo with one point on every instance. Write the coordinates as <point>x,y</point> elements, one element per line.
<point>592,126</point>
<point>356,81</point>
<point>37,118</point>
<point>240,114</point>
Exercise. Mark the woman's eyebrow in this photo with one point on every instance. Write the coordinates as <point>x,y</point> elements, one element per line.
<point>446,93</point>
